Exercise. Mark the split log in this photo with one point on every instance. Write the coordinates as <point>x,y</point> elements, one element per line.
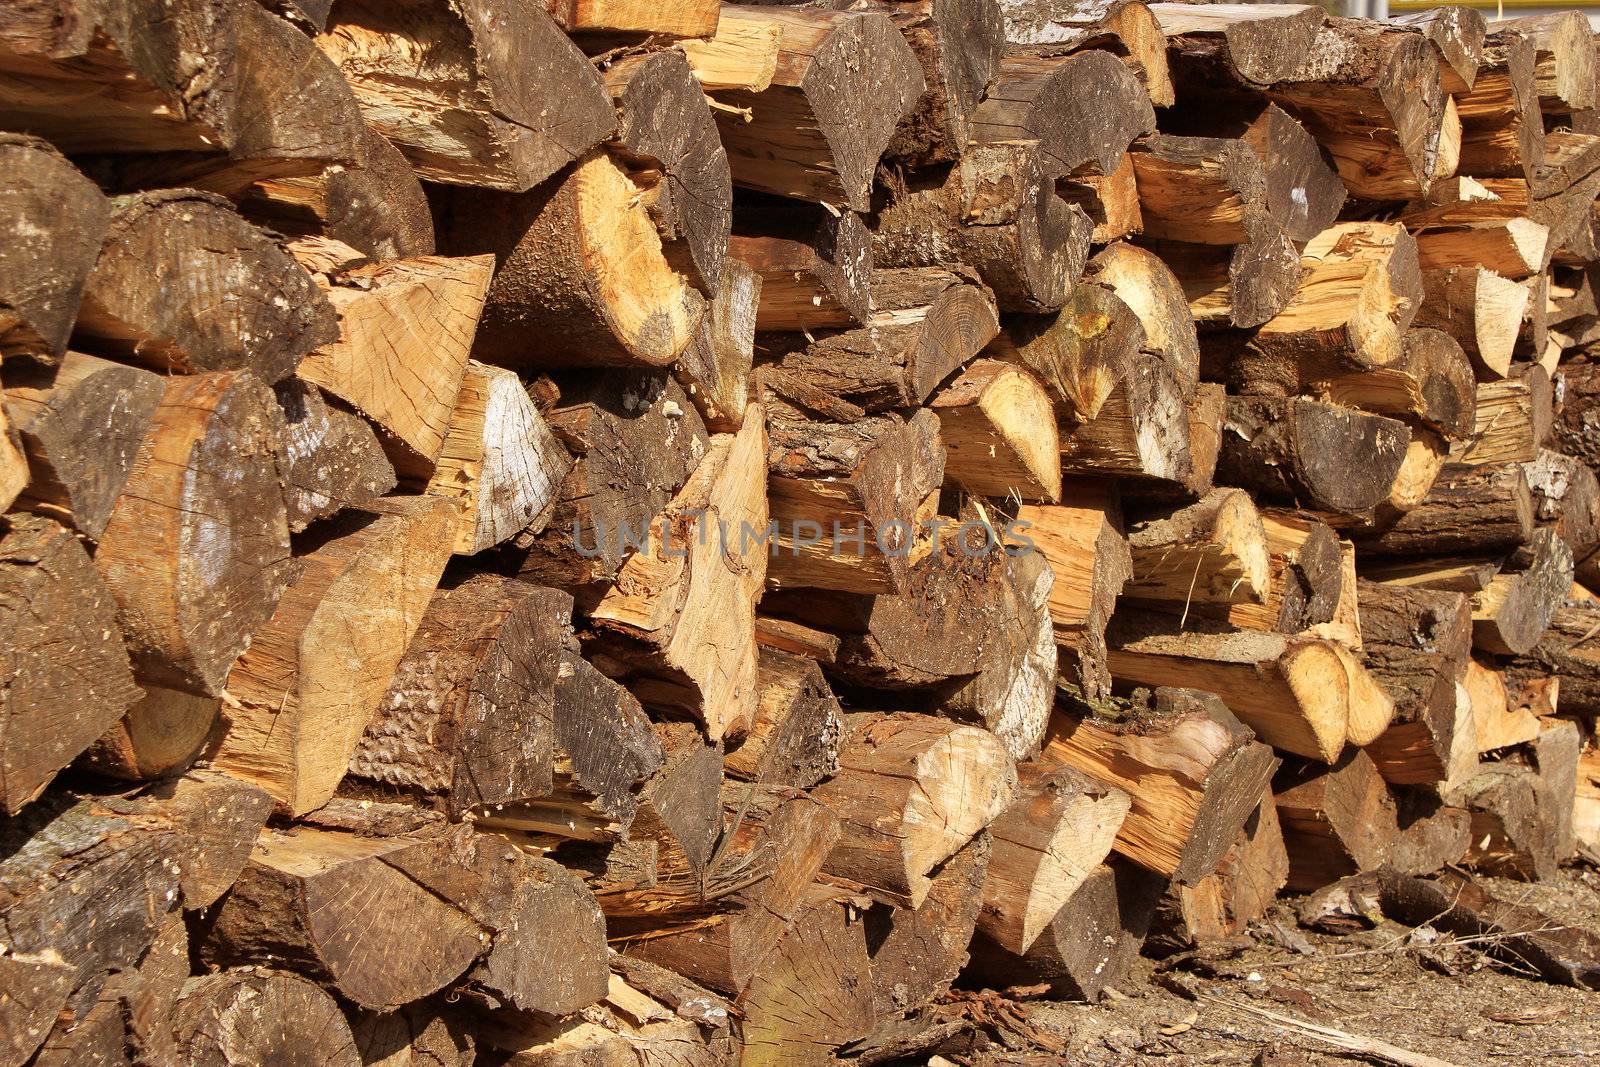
<point>1469,509</point>
<point>1081,353</point>
<point>679,808</point>
<point>1480,309</point>
<point>959,46</point>
<point>1083,109</point>
<point>498,99</point>
<point>1305,587</point>
<point>184,284</point>
<point>1431,383</point>
<point>1220,536</point>
<point>911,790</point>
<point>332,459</point>
<point>1495,721</point>
<point>840,86</point>
<point>1089,559</point>
<point>1126,30</point>
<point>1300,451</point>
<point>427,1032</point>
<point>850,498</point>
<point>915,954</point>
<point>1514,247</point>
<point>1359,293</point>
<point>925,324</point>
<point>1575,429</point>
<point>1567,650</point>
<point>374,203</point>
<point>1140,434</point>
<point>815,266</point>
<point>1090,944</point>
<point>1458,32</point>
<point>499,461</point>
<point>1513,830</point>
<point>581,275</point>
<point>996,211</point>
<point>1511,613</point>
<point>70,679</point>
<point>1336,820</point>
<point>159,734</point>
<point>1111,201</point>
<point>206,476</point>
<point>54,222</point>
<point>1513,419</point>
<point>1198,189</point>
<point>1502,131</point>
<point>1295,693</point>
<point>1564,59</point>
<point>1245,884</point>
<point>1155,297</point>
<point>1239,43</point>
<point>715,367</point>
<point>1060,827</point>
<point>363,586</point>
<point>81,424</point>
<point>615,424</point>
<point>665,126</point>
<point>1566,497</point>
<point>104,80</point>
<point>999,433</point>
<point>794,738</point>
<point>681,616</point>
<point>235,1018</point>
<point>1556,755</point>
<point>406,328</point>
<point>1586,808</point>
<point>681,18</point>
<point>1243,286</point>
<point>1210,769</point>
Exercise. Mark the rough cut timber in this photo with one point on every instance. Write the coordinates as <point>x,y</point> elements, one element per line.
<point>681,615</point>
<point>1058,829</point>
<point>996,211</point>
<point>924,325</point>
<point>1501,127</point>
<point>1564,59</point>
<point>614,424</point>
<point>1090,944</point>
<point>841,84</point>
<point>317,669</point>
<point>196,547</point>
<point>1496,723</point>
<point>1082,354</point>
<point>53,221</point>
<point>958,44</point>
<point>70,679</point>
<point>1513,824</point>
<point>911,790</point>
<point>828,482</point>
<point>1245,884</point>
<point>1082,109</point>
<point>1306,590</point>
<point>500,461</point>
<point>680,18</point>
<point>332,458</point>
<point>815,266</point>
<point>405,330</point>
<point>1566,496</point>
<point>666,129</point>
<point>230,86</point>
<point>797,727</point>
<point>472,93</point>
<point>1565,649</point>
<point>999,433</point>
<point>184,284</point>
<point>715,367</point>
<point>1111,201</point>
<point>81,424</point>
<point>1193,771</point>
<point>1211,552</point>
<point>1198,189</point>
<point>581,275</point>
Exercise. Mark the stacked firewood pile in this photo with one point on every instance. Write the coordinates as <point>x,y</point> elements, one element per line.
<point>611,532</point>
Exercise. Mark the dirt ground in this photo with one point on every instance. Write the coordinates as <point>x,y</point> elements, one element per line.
<point>1421,991</point>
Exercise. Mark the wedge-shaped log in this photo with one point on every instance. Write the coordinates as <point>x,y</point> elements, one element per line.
<point>1337,820</point>
<point>715,368</point>
<point>1058,829</point>
<point>794,738</point>
<point>1141,433</point>
<point>1562,651</point>
<point>1083,109</point>
<point>70,680</point>
<point>1513,822</point>
<point>999,433</point>
<point>1154,294</point>
<point>1563,59</point>
<point>959,46</point>
<point>1081,353</point>
<point>582,277</point>
<point>1198,189</point>
<point>405,331</point>
<point>1501,127</point>
<point>614,424</point>
<point>1110,200</point>
<point>472,93</point>
<point>500,461</point>
<point>1512,419</point>
<point>1208,765</point>
<point>81,424</point>
<point>1306,589</point>
<point>184,284</point>
<point>1245,884</point>
<point>925,324</point>
<point>196,548</point>
<point>917,953</point>
<point>1431,383</point>
<point>683,617</point>
<point>1458,32</point>
<point>1243,286</point>
<point>1212,551</point>
<point>815,266</point>
<point>54,222</point>
<point>332,458</point>
<point>1242,43</point>
<point>157,736</point>
<point>1511,613</point>
<point>996,211</point>
<point>841,84</point>
<point>1566,496</point>
<point>911,790</point>
<point>302,704</point>
<point>829,481</point>
<point>1496,723</point>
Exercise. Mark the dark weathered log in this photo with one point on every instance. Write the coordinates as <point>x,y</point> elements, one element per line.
<point>502,98</point>
<point>1564,59</point>
<point>1211,552</point>
<point>1243,286</point>
<point>1458,32</point>
<point>1211,774</point>
<point>332,459</point>
<point>958,44</point>
<point>1469,509</point>
<point>1431,383</point>
<point>1245,884</point>
<point>1336,820</point>
<point>1513,829</point>
<point>53,222</point>
<point>1127,30</point>
<point>426,1032</point>
<point>815,266</point>
<point>794,739</point>
<point>1566,497</point>
<point>1140,434</point>
<point>996,211</point>
<point>236,1018</point>
<point>678,807</point>
<point>1566,650</point>
<point>1511,613</point>
<point>916,953</point>
<point>1238,45</point>
<point>1081,353</point>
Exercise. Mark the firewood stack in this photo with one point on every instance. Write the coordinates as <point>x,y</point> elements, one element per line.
<point>674,532</point>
